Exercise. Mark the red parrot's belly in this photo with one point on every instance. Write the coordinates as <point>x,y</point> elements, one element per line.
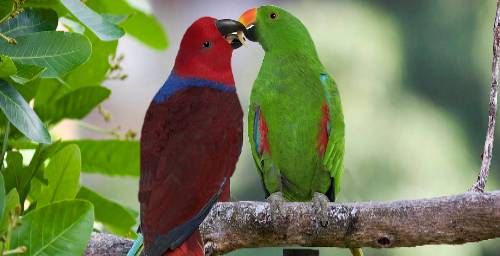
<point>189,144</point>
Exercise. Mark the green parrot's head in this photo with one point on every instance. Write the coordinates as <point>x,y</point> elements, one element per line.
<point>276,29</point>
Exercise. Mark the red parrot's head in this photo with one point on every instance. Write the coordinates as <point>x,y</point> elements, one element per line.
<point>206,49</point>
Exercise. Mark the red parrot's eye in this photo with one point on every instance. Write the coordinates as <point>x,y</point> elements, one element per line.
<point>273,15</point>
<point>207,44</point>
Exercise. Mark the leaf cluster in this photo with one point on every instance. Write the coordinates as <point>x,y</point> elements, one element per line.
<point>54,57</point>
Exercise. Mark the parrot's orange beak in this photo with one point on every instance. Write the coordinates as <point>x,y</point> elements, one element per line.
<point>248,19</point>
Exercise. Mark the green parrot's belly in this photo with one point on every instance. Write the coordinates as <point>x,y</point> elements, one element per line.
<point>293,116</point>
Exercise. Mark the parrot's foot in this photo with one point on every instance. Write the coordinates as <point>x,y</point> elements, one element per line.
<point>276,203</point>
<point>320,202</point>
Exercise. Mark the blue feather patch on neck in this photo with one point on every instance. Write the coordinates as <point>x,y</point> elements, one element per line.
<point>176,83</point>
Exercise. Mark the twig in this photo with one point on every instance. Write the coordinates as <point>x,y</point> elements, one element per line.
<point>115,132</point>
<point>106,115</point>
<point>490,133</point>
<point>460,219</point>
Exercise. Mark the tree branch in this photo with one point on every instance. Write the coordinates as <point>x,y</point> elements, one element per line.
<point>106,244</point>
<point>464,218</point>
<point>490,133</point>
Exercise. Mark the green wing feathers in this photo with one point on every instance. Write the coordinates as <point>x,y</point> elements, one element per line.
<point>333,159</point>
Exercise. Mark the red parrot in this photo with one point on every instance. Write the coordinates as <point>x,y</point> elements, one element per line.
<point>191,140</point>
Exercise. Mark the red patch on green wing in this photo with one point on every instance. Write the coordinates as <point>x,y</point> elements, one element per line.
<point>324,130</point>
<point>264,142</point>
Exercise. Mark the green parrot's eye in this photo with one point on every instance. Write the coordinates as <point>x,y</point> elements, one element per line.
<point>207,44</point>
<point>273,15</point>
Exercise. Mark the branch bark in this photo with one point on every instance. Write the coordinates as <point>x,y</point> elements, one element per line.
<point>490,132</point>
<point>106,244</point>
<point>459,219</point>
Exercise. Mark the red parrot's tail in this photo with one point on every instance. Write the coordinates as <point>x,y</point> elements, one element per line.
<point>193,246</point>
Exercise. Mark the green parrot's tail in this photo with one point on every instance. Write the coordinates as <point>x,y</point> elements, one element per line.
<point>137,246</point>
<point>356,251</point>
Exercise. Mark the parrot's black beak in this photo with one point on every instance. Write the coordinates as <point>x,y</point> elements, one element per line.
<point>251,33</point>
<point>232,31</point>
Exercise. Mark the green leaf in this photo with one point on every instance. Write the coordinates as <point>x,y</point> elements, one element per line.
<point>5,8</point>
<point>7,67</point>
<point>59,52</point>
<point>52,90</point>
<point>144,6</point>
<point>52,4</point>
<point>15,174</point>
<point>36,186</point>
<point>94,71</point>
<point>109,157</point>
<point>146,28</point>
<point>115,217</point>
<point>22,143</point>
<point>74,105</point>
<point>27,73</point>
<point>63,175</point>
<point>30,21</point>
<point>28,91</point>
<point>61,228</point>
<point>71,25</point>
<point>105,30</point>
<point>21,115</point>
<point>11,206</point>
<point>42,153</point>
<point>2,195</point>
<point>116,19</point>
<point>19,177</point>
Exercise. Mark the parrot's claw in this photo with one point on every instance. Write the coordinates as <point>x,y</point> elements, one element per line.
<point>320,202</point>
<point>276,203</point>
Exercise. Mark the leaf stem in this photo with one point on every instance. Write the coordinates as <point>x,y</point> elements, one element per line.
<point>62,82</point>
<point>9,40</point>
<point>113,132</point>
<point>5,143</point>
<point>9,15</point>
<point>20,249</point>
<point>12,224</point>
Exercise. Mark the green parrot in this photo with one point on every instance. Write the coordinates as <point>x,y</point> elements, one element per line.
<point>295,122</point>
